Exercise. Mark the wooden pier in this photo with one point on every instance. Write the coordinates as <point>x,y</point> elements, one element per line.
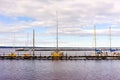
<point>61,58</point>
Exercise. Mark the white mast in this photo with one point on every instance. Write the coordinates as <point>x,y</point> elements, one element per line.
<point>110,36</point>
<point>57,31</point>
<point>33,42</point>
<point>95,37</point>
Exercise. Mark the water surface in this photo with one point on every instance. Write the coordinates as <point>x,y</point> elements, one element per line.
<point>59,70</point>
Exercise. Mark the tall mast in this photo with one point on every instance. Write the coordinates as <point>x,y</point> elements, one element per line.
<point>56,30</point>
<point>33,42</point>
<point>110,36</point>
<point>95,37</point>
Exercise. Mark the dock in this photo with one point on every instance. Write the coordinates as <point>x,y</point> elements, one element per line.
<point>61,58</point>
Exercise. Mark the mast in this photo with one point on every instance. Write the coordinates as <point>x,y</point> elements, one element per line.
<point>95,37</point>
<point>110,36</point>
<point>33,42</point>
<point>56,31</point>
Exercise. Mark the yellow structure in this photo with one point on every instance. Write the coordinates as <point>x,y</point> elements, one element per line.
<point>12,55</point>
<point>56,55</point>
<point>26,55</point>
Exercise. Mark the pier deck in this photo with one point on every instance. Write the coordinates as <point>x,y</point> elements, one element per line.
<point>62,58</point>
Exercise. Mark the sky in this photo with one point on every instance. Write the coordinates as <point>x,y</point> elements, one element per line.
<point>76,21</point>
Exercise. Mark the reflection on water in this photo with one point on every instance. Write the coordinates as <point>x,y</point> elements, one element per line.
<point>59,70</point>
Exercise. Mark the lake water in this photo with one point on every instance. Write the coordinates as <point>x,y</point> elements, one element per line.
<point>60,70</point>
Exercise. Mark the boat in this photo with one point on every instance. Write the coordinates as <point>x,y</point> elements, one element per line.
<point>110,34</point>
<point>57,54</point>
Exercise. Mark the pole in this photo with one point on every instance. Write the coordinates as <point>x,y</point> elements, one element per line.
<point>33,43</point>
<point>110,36</point>
<point>56,31</point>
<point>95,38</point>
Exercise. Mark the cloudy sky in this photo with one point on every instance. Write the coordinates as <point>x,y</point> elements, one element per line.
<point>76,21</point>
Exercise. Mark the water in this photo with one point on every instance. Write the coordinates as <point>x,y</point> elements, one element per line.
<point>59,70</point>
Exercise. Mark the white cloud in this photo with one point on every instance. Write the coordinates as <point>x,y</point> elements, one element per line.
<point>79,11</point>
<point>74,16</point>
<point>68,10</point>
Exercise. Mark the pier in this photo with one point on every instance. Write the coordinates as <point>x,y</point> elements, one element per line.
<point>65,57</point>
